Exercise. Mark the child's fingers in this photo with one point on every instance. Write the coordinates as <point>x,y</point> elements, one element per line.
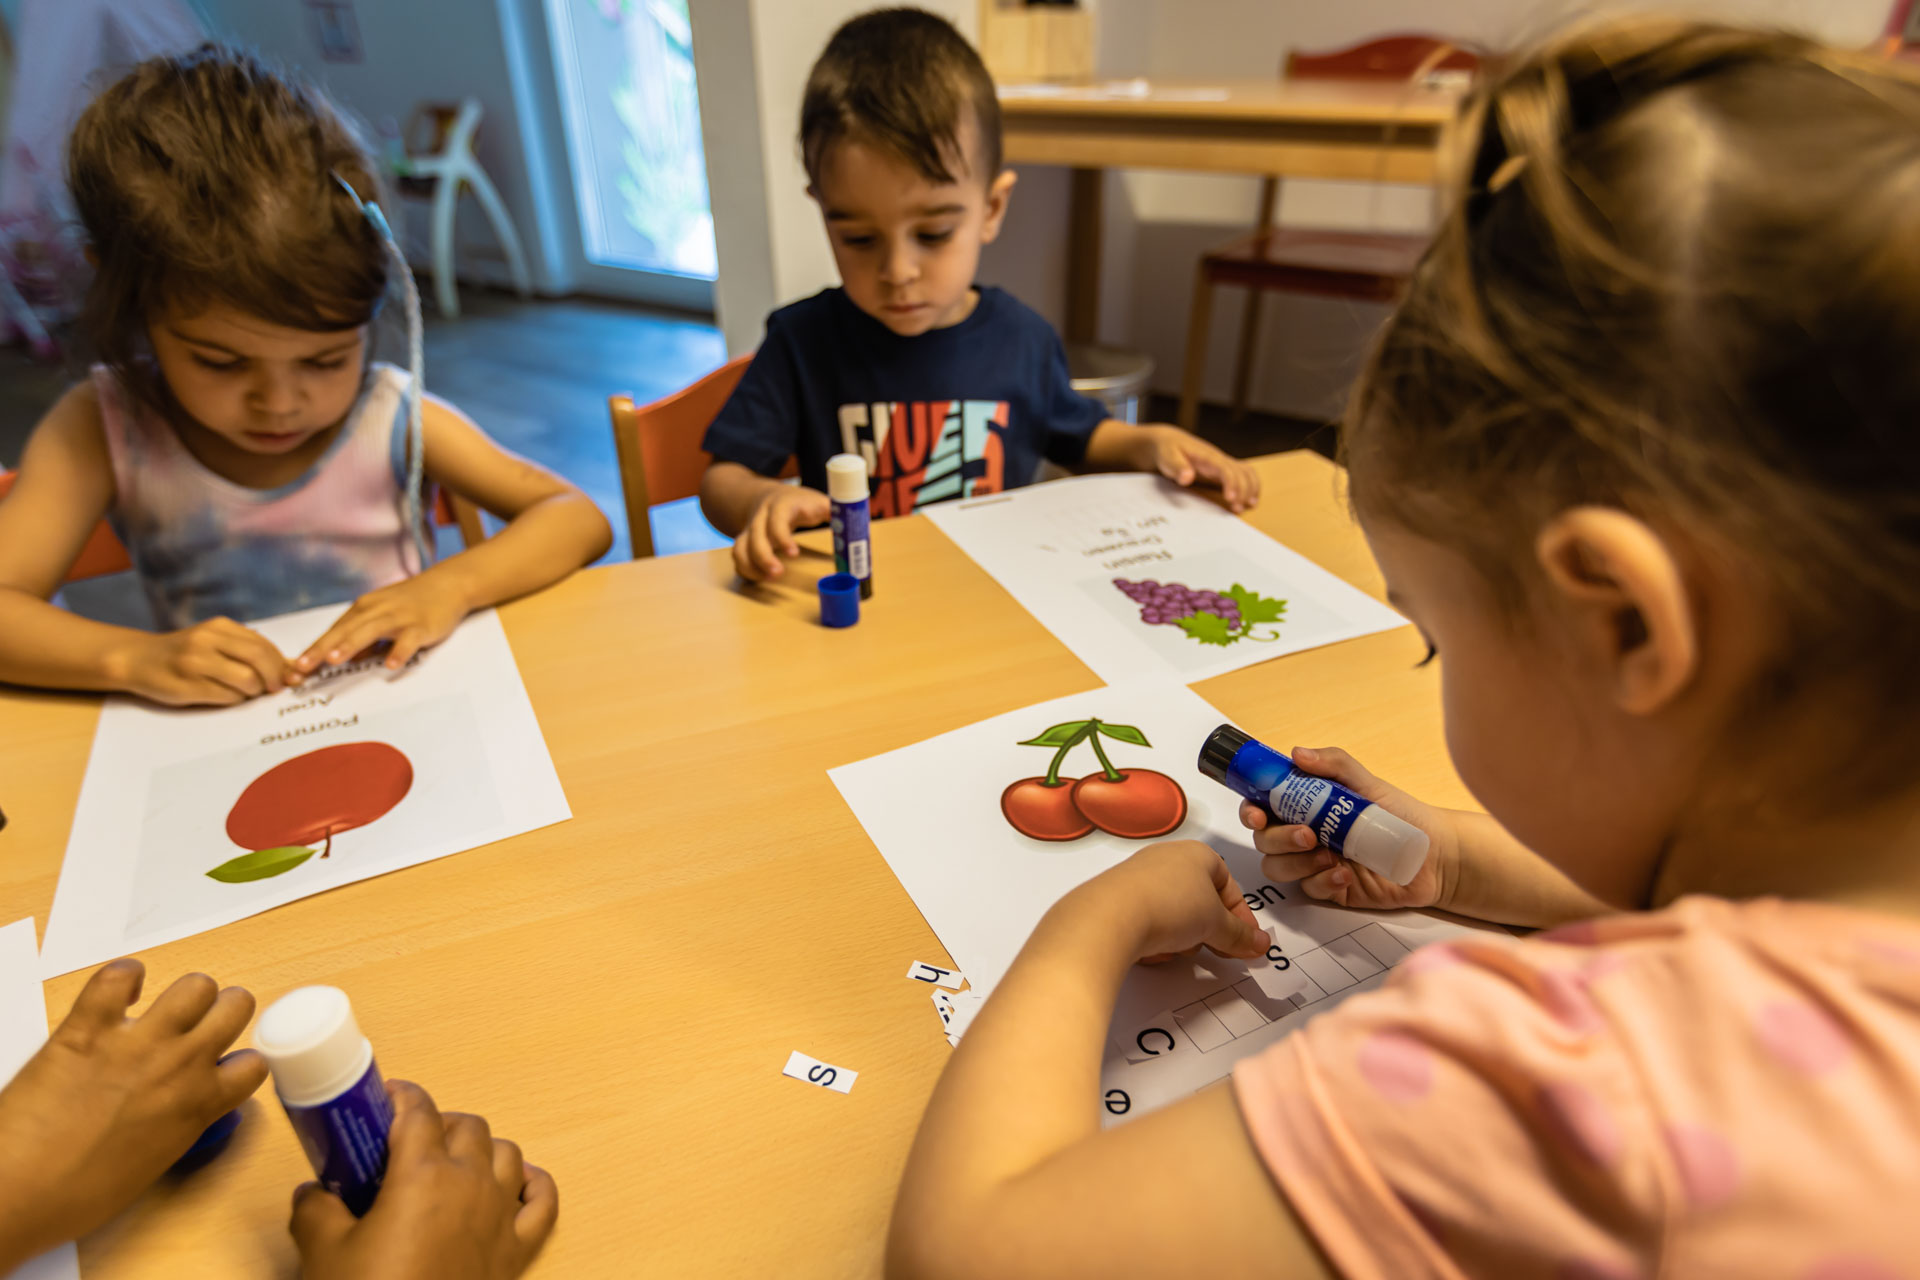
<point>1235,933</point>
<point>766,563</point>
<point>1284,868</point>
<point>182,1005</point>
<point>1249,485</point>
<point>419,1133</point>
<point>743,556</point>
<point>372,626</point>
<point>229,1015</point>
<point>410,641</point>
<point>1284,838</point>
<point>539,1208</point>
<point>256,652</point>
<point>320,1219</point>
<point>1252,816</point>
<point>1174,465</point>
<point>509,1166</point>
<point>229,673</point>
<point>238,1076</point>
<point>469,1139</point>
<point>109,993</point>
<point>780,521</point>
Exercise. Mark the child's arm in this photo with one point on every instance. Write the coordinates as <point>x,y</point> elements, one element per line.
<point>1474,866</point>
<point>456,1201</point>
<point>110,1102</point>
<point>552,529</point>
<point>760,514</point>
<point>1180,456</point>
<point>64,488</point>
<point>1011,1175</point>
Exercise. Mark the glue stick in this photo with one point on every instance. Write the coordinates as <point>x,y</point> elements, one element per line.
<point>324,1072</point>
<point>1350,826</point>
<point>847,488</point>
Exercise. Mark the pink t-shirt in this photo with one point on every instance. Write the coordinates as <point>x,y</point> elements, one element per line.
<point>1716,1089</point>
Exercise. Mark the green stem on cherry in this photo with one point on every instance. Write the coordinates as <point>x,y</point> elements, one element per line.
<point>1093,736</point>
<point>327,850</point>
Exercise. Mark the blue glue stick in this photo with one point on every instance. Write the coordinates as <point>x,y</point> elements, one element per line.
<point>852,548</point>
<point>324,1072</point>
<point>1355,828</point>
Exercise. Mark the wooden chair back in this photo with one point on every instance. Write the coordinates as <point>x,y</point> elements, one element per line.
<point>659,449</point>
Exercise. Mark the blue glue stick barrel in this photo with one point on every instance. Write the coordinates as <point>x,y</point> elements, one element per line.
<point>323,1071</point>
<point>1357,829</point>
<point>852,545</point>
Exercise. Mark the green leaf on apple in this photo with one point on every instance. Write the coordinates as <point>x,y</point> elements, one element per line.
<point>1255,607</point>
<point>1208,628</point>
<point>262,864</point>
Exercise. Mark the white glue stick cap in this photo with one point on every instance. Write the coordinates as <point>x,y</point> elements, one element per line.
<point>311,1041</point>
<point>1383,843</point>
<point>847,477</point>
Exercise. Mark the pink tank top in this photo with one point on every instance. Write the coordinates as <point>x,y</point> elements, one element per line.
<point>205,547</point>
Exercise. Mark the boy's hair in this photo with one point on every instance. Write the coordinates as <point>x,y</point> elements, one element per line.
<point>208,177</point>
<point>899,80</point>
<point>1679,274</point>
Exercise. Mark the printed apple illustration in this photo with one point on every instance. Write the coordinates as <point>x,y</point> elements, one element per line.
<point>1134,804</point>
<point>311,799</point>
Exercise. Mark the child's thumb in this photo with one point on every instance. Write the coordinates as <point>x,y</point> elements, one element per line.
<point>1240,936</point>
<point>319,1217</point>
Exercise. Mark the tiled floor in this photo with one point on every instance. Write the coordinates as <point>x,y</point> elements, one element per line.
<point>536,375</point>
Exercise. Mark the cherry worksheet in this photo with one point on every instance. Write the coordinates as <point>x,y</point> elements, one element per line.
<point>1144,580</point>
<point>191,819</point>
<point>987,826</point>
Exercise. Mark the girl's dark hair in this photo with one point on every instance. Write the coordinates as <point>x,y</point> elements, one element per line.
<point>900,80</point>
<point>209,177</point>
<point>1679,273</point>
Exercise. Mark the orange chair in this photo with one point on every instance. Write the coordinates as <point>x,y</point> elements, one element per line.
<point>1365,266</point>
<point>659,446</point>
<point>104,554</point>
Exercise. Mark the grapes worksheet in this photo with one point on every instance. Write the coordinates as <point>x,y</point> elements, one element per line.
<point>987,826</point>
<point>189,819</point>
<point>1142,579</point>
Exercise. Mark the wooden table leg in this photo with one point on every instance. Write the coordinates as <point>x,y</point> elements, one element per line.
<point>1083,255</point>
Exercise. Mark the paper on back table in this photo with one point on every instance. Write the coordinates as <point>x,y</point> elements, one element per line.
<point>23,1029</point>
<point>933,810</point>
<point>1058,547</point>
<point>160,783</point>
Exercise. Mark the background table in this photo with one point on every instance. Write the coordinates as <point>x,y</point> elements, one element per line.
<point>1359,131</point>
<point>619,992</point>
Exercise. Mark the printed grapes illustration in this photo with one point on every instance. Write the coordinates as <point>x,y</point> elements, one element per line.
<point>1134,804</point>
<point>1211,617</point>
<point>311,799</point>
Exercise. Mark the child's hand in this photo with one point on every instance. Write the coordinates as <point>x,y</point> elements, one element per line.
<point>1292,852</point>
<point>109,1102</point>
<point>411,615</point>
<point>768,534</point>
<point>1186,459</point>
<point>214,663</point>
<point>1179,896</point>
<point>457,1204</point>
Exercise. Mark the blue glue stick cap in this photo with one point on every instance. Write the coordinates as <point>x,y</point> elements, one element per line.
<point>839,600</point>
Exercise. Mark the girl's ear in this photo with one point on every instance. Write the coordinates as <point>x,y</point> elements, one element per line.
<point>998,195</point>
<point>1622,587</point>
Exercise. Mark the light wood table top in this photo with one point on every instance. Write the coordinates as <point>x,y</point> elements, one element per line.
<point>1359,130</point>
<point>619,992</point>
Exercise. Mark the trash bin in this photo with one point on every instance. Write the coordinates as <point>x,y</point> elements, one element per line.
<point>1116,378</point>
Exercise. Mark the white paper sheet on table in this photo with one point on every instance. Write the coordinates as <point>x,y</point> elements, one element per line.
<point>161,785</point>
<point>1059,548</point>
<point>23,1029</point>
<point>934,811</point>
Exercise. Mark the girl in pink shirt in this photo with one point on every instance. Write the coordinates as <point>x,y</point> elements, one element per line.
<point>1640,455</point>
<point>237,434</point>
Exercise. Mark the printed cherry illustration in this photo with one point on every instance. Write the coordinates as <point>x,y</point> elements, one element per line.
<point>1130,803</point>
<point>311,799</point>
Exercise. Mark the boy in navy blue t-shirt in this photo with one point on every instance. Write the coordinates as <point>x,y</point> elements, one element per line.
<point>946,389</point>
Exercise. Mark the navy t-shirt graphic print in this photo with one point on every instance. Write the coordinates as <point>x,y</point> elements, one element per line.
<point>928,450</point>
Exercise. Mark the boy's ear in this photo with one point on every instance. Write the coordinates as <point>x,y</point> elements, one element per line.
<point>999,193</point>
<point>1623,589</point>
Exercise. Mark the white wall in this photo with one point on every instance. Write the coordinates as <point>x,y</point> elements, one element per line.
<point>1157,224</point>
<point>424,51</point>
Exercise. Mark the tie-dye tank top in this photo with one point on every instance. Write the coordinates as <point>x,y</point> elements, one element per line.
<point>205,547</point>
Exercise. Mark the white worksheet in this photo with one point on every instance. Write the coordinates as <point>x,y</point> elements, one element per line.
<point>984,845</point>
<point>23,1029</point>
<point>191,819</point>
<point>1144,580</point>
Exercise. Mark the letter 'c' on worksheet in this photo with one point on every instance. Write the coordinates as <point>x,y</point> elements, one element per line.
<point>813,1071</point>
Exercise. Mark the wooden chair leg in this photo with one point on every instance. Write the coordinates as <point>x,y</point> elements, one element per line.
<point>1195,372</point>
<point>1243,361</point>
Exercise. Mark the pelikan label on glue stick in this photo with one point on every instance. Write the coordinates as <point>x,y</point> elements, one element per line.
<point>852,542</point>
<point>324,1072</point>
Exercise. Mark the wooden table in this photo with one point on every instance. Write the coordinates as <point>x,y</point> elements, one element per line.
<point>1359,131</point>
<point>619,992</point>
